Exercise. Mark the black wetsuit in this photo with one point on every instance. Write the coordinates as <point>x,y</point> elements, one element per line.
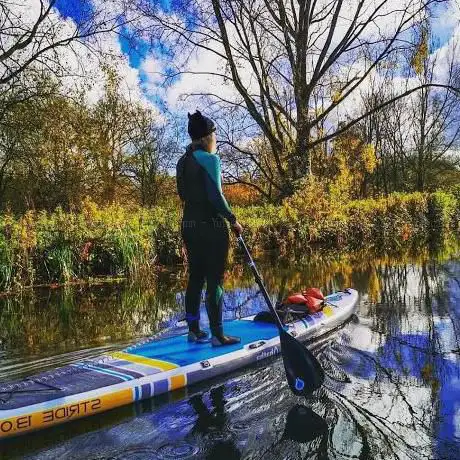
<point>205,234</point>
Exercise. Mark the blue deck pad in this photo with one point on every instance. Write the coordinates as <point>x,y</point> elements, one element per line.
<point>178,351</point>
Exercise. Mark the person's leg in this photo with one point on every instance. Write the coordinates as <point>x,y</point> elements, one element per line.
<point>196,277</point>
<point>216,261</point>
<point>214,301</point>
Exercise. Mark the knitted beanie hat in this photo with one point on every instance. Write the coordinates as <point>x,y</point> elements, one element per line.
<point>199,125</point>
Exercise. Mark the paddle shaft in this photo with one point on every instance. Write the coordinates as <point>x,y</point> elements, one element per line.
<point>259,281</point>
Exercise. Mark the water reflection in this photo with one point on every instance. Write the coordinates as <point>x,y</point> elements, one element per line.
<point>212,422</point>
<point>46,328</point>
<point>393,373</point>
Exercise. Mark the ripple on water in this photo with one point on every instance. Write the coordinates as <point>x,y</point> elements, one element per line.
<point>135,453</point>
<point>181,450</point>
<point>219,436</point>
<point>398,403</point>
<point>239,426</point>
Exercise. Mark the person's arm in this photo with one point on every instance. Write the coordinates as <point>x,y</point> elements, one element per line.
<point>211,165</point>
<point>180,178</point>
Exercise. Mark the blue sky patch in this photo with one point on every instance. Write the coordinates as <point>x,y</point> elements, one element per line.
<point>80,11</point>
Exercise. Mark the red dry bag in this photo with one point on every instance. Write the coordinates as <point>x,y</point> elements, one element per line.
<point>313,292</point>
<point>313,305</point>
<point>296,299</point>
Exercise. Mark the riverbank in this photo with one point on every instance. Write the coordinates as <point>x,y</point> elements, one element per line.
<point>97,242</point>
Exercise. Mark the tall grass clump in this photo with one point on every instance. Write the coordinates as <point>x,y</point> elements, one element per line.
<point>387,223</point>
<point>6,258</point>
<point>59,247</point>
<point>455,191</point>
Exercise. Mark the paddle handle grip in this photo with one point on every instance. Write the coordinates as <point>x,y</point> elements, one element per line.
<point>259,281</point>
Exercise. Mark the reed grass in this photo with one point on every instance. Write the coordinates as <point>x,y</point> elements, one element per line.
<point>114,241</point>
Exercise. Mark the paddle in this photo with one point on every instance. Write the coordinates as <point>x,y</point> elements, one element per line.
<point>303,371</point>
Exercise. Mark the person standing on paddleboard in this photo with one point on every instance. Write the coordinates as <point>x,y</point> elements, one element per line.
<point>204,230</point>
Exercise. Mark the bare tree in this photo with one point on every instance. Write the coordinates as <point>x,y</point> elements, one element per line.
<point>436,115</point>
<point>152,151</point>
<point>414,137</point>
<point>295,65</point>
<point>27,41</point>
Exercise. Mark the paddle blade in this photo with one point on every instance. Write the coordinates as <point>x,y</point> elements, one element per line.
<point>304,425</point>
<point>303,371</point>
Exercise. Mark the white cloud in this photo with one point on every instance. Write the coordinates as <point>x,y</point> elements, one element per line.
<point>152,69</point>
<point>81,66</point>
<point>446,19</point>
<point>449,52</point>
<point>198,82</point>
<point>88,71</point>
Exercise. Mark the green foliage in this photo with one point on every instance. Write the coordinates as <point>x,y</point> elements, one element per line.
<point>57,149</point>
<point>166,235</point>
<point>266,227</point>
<point>351,163</point>
<point>455,191</point>
<point>98,241</point>
<point>58,247</point>
<point>387,223</point>
<point>442,211</point>
<point>311,218</point>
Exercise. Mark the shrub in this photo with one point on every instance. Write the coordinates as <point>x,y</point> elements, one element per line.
<point>442,211</point>
<point>40,247</point>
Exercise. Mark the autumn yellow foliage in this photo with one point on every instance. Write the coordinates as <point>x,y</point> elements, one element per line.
<point>351,163</point>
<point>241,194</point>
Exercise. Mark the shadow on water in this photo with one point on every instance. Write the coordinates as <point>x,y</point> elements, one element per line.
<point>392,389</point>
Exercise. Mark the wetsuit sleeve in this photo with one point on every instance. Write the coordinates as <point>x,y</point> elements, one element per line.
<point>180,177</point>
<point>211,164</point>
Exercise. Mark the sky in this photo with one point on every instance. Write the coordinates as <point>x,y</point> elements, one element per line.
<point>139,63</point>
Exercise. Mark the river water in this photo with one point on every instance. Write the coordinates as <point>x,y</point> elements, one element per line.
<point>392,389</point>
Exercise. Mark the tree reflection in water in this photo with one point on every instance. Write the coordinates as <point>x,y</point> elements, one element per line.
<point>392,391</point>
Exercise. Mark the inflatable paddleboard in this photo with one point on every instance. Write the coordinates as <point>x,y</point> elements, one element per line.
<point>150,369</point>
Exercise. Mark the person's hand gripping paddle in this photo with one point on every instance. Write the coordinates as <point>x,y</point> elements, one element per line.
<point>303,371</point>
